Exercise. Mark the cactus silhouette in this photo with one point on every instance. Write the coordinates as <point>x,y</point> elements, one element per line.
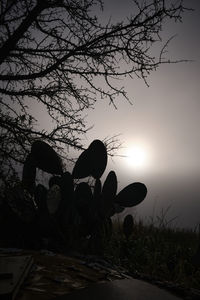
<point>67,186</point>
<point>118,209</point>
<point>128,226</point>
<point>131,195</point>
<point>46,158</point>
<point>92,161</point>
<point>108,193</point>
<point>75,212</point>
<point>83,198</point>
<point>98,158</point>
<point>97,190</point>
<point>82,167</point>
<point>65,210</point>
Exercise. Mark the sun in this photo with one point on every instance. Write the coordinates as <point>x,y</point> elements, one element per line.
<point>136,156</point>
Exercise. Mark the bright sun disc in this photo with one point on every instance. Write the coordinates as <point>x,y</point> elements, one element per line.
<point>136,156</point>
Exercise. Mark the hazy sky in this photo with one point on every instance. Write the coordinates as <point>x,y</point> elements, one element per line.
<point>163,122</point>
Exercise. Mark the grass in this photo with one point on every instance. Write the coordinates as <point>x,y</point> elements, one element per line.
<point>161,252</point>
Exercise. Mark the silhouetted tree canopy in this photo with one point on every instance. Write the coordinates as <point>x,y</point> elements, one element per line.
<point>57,53</point>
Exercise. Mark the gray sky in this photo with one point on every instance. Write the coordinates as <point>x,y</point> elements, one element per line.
<point>163,122</point>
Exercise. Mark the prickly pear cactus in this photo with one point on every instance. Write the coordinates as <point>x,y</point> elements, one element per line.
<point>82,167</point>
<point>78,212</point>
<point>131,195</point>
<point>91,162</point>
<point>46,158</point>
<point>83,198</point>
<point>98,158</point>
<point>128,226</point>
<point>97,191</point>
<point>109,191</point>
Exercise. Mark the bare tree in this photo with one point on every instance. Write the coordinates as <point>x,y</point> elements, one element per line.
<point>58,54</point>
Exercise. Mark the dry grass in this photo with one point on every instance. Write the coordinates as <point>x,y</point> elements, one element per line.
<point>161,252</point>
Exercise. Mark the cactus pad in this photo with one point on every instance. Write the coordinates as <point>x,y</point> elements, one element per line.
<point>131,195</point>
<point>108,193</point>
<point>118,208</point>
<point>97,189</point>
<point>98,158</point>
<point>110,185</point>
<point>46,158</point>
<point>82,167</point>
<point>92,161</point>
<point>83,196</point>
<point>128,226</point>
<point>67,184</point>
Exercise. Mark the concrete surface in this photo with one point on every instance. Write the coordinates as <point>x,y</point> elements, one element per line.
<point>125,289</point>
